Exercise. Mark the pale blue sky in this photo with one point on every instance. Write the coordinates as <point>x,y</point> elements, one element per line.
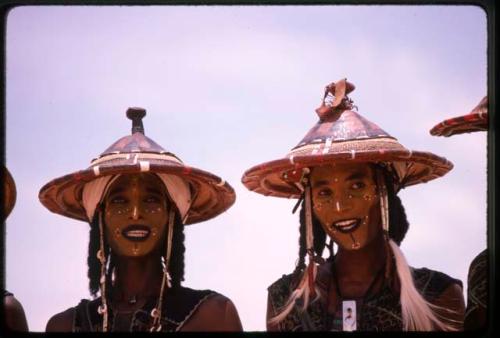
<point>226,88</point>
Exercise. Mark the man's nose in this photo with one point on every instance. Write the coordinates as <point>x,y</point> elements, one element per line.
<point>341,202</point>
<point>136,213</point>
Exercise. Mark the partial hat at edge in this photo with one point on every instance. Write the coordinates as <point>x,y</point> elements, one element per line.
<point>476,120</point>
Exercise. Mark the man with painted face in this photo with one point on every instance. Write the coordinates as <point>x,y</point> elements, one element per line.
<point>346,172</point>
<point>477,278</point>
<point>137,197</point>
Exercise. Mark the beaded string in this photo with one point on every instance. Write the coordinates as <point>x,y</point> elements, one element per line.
<point>309,239</point>
<point>156,312</point>
<point>103,308</point>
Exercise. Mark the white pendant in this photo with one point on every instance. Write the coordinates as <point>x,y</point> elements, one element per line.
<point>349,315</point>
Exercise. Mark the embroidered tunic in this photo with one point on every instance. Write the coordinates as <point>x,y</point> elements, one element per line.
<point>477,291</point>
<point>378,312</point>
<point>178,307</point>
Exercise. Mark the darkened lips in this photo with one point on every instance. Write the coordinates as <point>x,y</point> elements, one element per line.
<point>136,232</point>
<point>347,225</point>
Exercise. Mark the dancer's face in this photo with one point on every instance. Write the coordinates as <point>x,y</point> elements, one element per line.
<point>136,213</point>
<point>346,202</point>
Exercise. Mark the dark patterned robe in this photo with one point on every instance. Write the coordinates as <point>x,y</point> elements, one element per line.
<point>178,307</point>
<point>378,312</point>
<point>477,292</point>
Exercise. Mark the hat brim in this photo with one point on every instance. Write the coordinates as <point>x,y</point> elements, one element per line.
<point>9,198</point>
<point>414,167</point>
<point>462,124</point>
<point>211,195</point>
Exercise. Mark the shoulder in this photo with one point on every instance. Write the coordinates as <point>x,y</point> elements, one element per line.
<point>443,291</point>
<point>218,304</point>
<point>432,283</point>
<point>479,266</point>
<point>72,319</point>
<point>283,284</point>
<point>15,318</point>
<point>61,322</point>
<point>214,312</point>
<point>279,291</point>
<point>11,303</point>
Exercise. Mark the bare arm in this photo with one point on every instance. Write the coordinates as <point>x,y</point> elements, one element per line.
<point>217,313</point>
<point>61,322</point>
<point>15,319</point>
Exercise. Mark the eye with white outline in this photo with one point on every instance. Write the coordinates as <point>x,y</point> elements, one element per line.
<point>358,185</point>
<point>152,199</point>
<point>324,192</point>
<point>118,200</point>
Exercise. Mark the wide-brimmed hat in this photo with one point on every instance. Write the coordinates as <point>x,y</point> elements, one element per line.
<point>343,135</point>
<point>209,194</point>
<point>9,192</point>
<point>476,120</point>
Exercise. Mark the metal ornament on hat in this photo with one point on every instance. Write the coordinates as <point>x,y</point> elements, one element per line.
<point>338,92</point>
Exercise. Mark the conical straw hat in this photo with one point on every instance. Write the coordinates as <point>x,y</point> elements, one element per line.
<point>136,153</point>
<point>343,135</point>
<point>476,120</point>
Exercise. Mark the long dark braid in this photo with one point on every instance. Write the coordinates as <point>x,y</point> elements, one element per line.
<point>319,238</point>
<point>176,266</point>
<point>93,263</point>
<point>398,222</point>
